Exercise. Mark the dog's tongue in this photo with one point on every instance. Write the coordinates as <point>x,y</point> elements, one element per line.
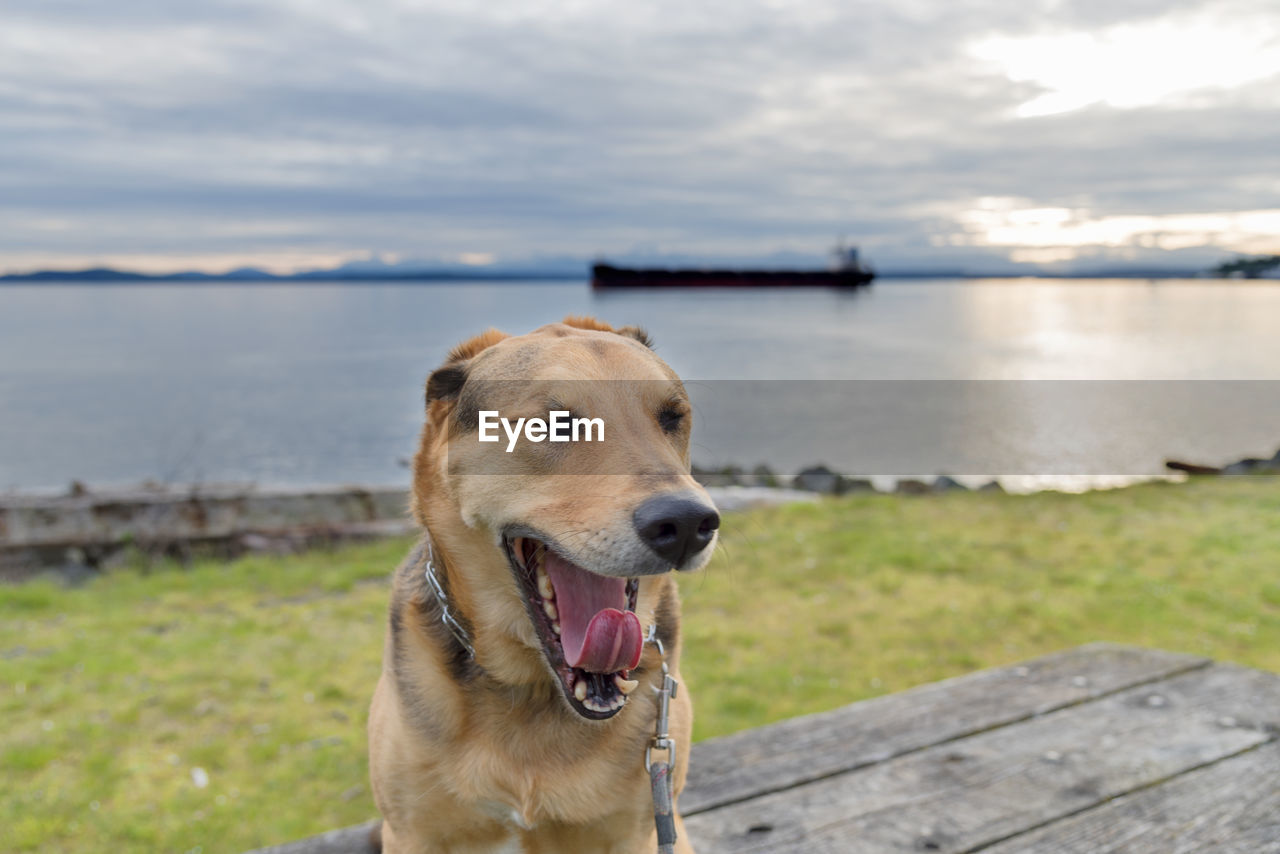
<point>597,632</point>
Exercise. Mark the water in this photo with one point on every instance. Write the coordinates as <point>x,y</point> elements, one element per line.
<point>314,384</point>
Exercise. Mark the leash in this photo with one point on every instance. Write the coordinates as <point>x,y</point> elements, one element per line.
<point>660,772</point>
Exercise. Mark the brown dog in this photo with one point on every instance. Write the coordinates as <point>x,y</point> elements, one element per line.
<point>521,723</point>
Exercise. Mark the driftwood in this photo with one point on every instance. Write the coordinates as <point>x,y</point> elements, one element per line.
<point>1191,468</point>
<point>86,528</point>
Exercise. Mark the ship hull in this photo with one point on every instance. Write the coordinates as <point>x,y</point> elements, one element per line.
<point>604,276</point>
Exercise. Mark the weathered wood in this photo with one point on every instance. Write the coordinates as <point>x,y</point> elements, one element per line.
<point>194,512</point>
<point>72,532</point>
<point>1103,748</point>
<point>732,768</point>
<point>1230,807</point>
<point>348,840</point>
<point>962,795</point>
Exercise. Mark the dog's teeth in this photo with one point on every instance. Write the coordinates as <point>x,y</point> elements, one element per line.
<point>626,686</point>
<point>580,691</point>
<point>555,626</point>
<point>550,608</point>
<point>545,590</point>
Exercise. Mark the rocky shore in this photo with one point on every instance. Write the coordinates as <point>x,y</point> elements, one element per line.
<point>85,530</point>
<point>822,480</point>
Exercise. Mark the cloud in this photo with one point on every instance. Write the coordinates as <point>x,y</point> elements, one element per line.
<point>1172,60</point>
<point>333,128</point>
<point>1051,235</point>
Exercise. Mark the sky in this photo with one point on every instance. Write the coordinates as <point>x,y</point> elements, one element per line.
<point>970,134</point>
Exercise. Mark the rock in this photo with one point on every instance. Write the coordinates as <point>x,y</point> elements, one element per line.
<point>724,476</point>
<point>991,486</point>
<point>911,486</point>
<point>1249,465</point>
<point>761,475</point>
<point>858,484</point>
<point>946,483</point>
<point>819,479</point>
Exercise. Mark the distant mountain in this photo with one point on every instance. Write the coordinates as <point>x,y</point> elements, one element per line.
<point>564,267</point>
<point>95,274</point>
<point>345,273</point>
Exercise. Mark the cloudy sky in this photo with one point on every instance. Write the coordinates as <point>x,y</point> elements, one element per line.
<point>158,134</point>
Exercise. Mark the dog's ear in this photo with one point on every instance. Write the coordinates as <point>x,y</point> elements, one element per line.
<point>446,382</point>
<point>636,332</point>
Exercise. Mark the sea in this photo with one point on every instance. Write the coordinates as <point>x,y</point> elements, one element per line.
<point>1040,383</point>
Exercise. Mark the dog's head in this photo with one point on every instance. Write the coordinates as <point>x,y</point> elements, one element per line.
<point>559,537</point>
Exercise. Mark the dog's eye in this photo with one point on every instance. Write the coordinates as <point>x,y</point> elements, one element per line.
<point>669,419</point>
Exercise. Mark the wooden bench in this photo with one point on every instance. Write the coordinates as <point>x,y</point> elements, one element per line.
<point>1102,748</point>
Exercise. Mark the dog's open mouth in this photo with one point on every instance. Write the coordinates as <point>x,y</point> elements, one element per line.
<point>587,624</point>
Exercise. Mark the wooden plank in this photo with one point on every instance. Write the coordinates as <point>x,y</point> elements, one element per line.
<point>1230,807</point>
<point>733,768</point>
<point>347,840</point>
<point>959,796</point>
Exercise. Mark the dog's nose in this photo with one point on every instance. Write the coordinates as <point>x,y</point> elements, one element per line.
<point>676,526</point>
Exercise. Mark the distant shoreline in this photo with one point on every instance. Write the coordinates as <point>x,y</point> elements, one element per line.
<point>53,277</point>
<point>561,270</point>
<point>113,277</point>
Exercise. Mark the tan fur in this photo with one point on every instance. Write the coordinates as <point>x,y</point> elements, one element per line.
<point>492,759</point>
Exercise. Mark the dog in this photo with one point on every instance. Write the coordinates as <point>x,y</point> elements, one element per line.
<point>518,693</point>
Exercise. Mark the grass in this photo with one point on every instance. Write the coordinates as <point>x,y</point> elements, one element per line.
<point>120,698</point>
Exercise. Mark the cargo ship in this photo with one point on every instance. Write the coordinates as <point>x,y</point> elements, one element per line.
<point>848,272</point>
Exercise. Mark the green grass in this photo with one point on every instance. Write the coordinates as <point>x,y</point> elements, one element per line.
<point>259,672</point>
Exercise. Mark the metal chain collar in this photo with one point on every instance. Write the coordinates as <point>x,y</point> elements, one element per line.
<point>446,616</point>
